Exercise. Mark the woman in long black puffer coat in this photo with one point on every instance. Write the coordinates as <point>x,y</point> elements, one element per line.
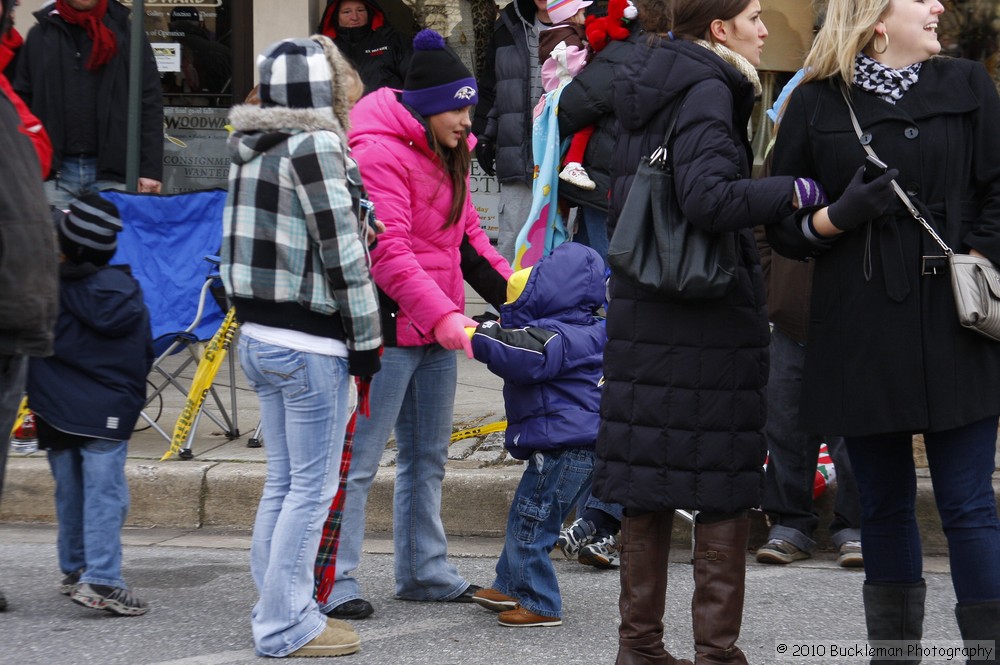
<point>683,405</point>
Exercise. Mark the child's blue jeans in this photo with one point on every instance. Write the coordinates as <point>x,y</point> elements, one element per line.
<point>550,487</point>
<point>91,504</point>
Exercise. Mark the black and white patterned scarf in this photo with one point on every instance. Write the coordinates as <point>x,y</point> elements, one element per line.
<point>889,84</point>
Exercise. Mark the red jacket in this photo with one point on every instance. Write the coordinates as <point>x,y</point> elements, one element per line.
<point>31,126</point>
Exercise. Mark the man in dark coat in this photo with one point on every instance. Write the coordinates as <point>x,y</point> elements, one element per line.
<point>74,75</point>
<point>28,284</point>
<point>361,32</point>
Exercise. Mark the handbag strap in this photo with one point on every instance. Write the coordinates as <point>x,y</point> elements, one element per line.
<point>659,157</point>
<point>895,186</point>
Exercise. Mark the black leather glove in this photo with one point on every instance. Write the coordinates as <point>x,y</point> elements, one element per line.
<point>862,201</point>
<point>486,155</point>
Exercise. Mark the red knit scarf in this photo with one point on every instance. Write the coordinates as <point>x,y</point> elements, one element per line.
<point>105,45</point>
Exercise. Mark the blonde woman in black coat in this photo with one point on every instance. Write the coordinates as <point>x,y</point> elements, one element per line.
<point>683,406</point>
<point>887,357</point>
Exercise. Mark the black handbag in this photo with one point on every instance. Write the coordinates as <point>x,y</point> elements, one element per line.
<point>655,247</point>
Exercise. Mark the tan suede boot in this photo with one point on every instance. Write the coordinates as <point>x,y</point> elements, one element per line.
<point>645,552</point>
<point>719,584</point>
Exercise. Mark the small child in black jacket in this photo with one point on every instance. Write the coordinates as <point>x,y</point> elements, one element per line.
<point>86,399</point>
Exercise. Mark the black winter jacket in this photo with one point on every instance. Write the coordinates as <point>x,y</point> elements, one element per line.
<point>50,54</point>
<point>503,115</point>
<point>886,352</point>
<point>28,286</point>
<point>380,54</point>
<point>588,100</point>
<point>95,383</point>
<point>684,406</point>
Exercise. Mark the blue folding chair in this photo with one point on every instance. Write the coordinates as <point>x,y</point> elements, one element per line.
<point>170,243</point>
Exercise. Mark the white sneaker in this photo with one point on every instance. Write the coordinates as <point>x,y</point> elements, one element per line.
<point>575,174</point>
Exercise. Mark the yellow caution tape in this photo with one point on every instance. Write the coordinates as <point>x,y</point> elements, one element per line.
<point>22,411</point>
<point>208,367</point>
<point>498,426</point>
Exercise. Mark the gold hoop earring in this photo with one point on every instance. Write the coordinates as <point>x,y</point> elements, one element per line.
<point>875,43</point>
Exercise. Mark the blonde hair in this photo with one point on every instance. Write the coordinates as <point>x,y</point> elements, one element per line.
<point>848,29</point>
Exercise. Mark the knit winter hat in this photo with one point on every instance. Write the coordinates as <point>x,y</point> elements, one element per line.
<point>88,233</point>
<point>437,81</point>
<point>295,73</point>
<point>561,10</point>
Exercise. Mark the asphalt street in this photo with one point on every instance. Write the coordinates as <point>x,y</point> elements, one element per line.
<point>199,588</point>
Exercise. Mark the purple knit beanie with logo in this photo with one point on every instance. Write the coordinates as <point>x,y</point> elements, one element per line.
<point>437,81</point>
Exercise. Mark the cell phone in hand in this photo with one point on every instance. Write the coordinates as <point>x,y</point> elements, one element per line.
<point>367,210</point>
<point>874,168</point>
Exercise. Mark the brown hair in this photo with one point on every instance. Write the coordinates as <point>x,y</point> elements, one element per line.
<point>456,163</point>
<point>692,18</point>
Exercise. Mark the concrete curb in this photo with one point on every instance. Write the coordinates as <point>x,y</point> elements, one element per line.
<point>225,494</point>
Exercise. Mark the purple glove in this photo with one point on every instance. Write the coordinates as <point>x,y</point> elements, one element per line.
<point>450,332</point>
<point>809,193</point>
<point>862,201</point>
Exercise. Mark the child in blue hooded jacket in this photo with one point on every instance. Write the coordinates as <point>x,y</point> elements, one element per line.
<point>548,348</point>
<point>87,397</point>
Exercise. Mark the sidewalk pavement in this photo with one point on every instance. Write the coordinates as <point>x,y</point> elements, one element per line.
<point>220,486</point>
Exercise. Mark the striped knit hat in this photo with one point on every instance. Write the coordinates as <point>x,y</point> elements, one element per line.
<point>88,233</point>
<point>561,10</point>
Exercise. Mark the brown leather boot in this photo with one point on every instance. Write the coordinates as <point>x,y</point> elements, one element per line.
<point>719,583</point>
<point>645,550</point>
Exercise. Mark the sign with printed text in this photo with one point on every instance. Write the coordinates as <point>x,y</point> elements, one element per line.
<point>485,192</point>
<point>168,56</point>
<point>194,154</point>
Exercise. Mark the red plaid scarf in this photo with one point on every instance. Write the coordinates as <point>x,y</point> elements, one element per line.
<point>326,558</point>
<point>105,46</point>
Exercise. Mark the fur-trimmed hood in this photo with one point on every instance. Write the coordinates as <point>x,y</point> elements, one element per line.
<point>257,130</point>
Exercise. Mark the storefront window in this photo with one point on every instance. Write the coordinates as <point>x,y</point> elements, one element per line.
<point>195,54</point>
<point>192,43</point>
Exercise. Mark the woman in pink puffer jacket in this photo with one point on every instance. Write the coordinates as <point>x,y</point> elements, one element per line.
<point>413,149</point>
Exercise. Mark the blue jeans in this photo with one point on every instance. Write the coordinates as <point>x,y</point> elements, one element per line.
<point>13,373</point>
<point>303,410</point>
<point>791,467</point>
<point>549,489</point>
<point>91,505</point>
<point>961,465</point>
<point>76,176</point>
<point>415,393</point>
<point>592,230</point>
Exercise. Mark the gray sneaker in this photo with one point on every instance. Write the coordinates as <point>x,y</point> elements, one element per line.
<point>116,600</point>
<point>69,582</point>
<point>850,555</point>
<point>574,537</point>
<point>780,551</point>
<point>602,553</point>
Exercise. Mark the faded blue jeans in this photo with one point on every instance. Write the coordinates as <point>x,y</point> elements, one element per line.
<point>303,410</point>
<point>76,176</point>
<point>414,393</point>
<point>961,463</point>
<point>91,505</point>
<point>552,483</point>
